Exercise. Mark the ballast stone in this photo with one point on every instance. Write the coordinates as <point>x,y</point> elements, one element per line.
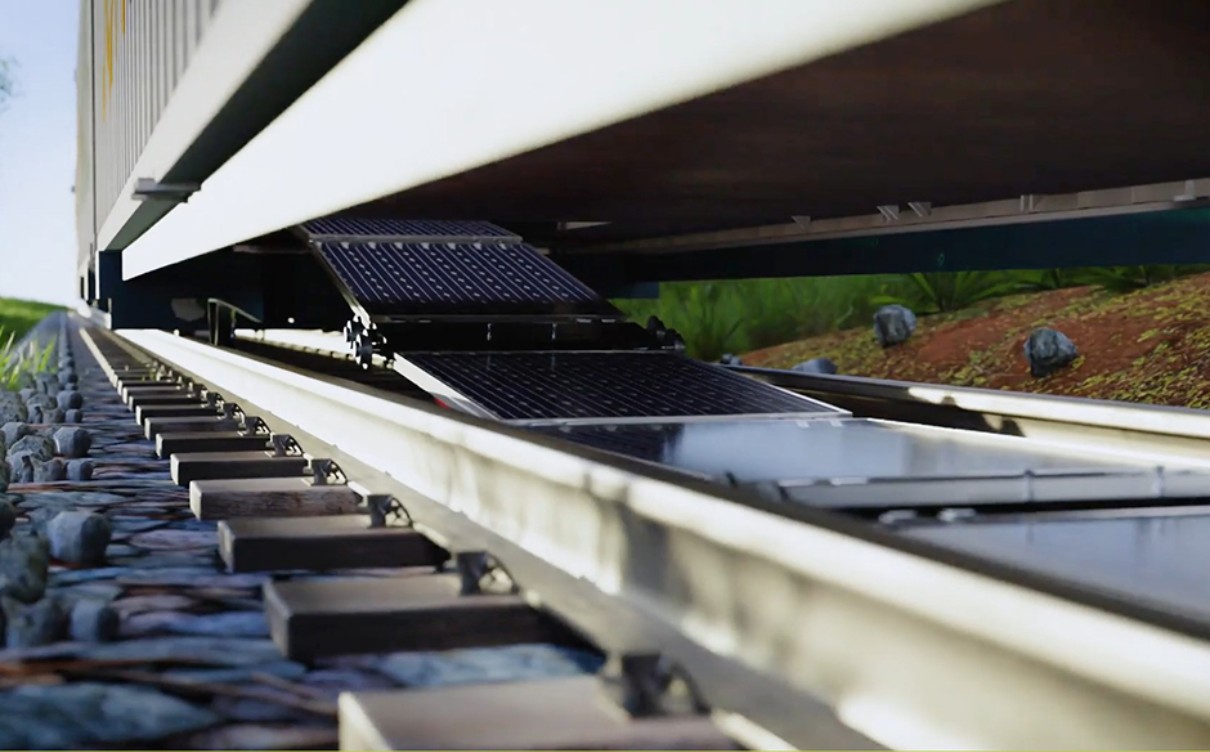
<point>30,626</point>
<point>21,465</point>
<point>68,400</point>
<point>893,325</point>
<point>1048,350</point>
<point>13,411</point>
<point>51,471</point>
<point>24,564</point>
<point>13,432</point>
<point>73,442</point>
<point>88,715</point>
<point>79,470</point>
<point>40,400</point>
<point>38,447</point>
<point>79,537</point>
<point>8,513</point>
<point>93,620</point>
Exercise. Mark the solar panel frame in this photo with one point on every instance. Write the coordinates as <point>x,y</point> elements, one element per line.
<point>529,387</point>
<point>404,229</point>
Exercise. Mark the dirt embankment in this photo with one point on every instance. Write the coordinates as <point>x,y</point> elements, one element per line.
<point>1151,345</point>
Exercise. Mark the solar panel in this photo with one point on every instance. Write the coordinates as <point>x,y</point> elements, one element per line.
<point>454,277</point>
<point>404,229</point>
<point>643,441</point>
<point>530,385</point>
<point>855,463</point>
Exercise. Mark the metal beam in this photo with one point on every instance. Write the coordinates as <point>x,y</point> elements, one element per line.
<point>1157,237</point>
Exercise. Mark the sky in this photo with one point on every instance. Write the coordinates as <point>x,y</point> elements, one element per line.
<point>38,151</point>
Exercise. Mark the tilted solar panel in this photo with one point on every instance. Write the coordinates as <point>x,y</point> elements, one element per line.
<point>531,385</point>
<point>453,277</point>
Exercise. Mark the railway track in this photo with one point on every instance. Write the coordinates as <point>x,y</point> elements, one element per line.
<point>727,614</point>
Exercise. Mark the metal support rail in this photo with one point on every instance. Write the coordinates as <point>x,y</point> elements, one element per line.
<point>905,644</point>
<point>1166,432</point>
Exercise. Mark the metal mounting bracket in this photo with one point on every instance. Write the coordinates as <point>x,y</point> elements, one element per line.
<point>150,189</point>
<point>325,472</point>
<point>380,507</point>
<point>284,445</point>
<point>646,684</point>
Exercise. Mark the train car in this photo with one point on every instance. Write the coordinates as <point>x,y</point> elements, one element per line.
<point>632,141</point>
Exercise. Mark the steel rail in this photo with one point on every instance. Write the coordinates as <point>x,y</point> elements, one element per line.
<point>1172,432</point>
<point>907,645</point>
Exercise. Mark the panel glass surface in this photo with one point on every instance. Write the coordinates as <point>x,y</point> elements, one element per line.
<point>764,450</point>
<point>851,463</point>
<point>528,386</point>
<point>456,278</point>
<point>1158,556</point>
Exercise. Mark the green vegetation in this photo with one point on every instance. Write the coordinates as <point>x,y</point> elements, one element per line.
<point>940,292</point>
<point>14,366</point>
<point>19,316</point>
<point>16,318</point>
<point>736,316</point>
<point>744,315</point>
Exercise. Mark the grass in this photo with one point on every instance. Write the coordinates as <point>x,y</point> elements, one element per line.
<point>16,318</point>
<point>19,316</point>
<point>743,315</point>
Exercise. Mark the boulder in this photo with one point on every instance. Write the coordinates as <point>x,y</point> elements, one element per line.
<point>893,324</point>
<point>1048,350</point>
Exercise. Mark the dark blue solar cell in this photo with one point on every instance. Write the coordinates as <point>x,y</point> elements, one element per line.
<point>466,276</point>
<point>529,385</point>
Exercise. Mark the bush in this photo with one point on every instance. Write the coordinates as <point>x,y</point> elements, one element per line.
<point>938,292</point>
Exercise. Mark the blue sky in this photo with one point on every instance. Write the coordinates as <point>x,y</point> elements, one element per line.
<point>38,151</point>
